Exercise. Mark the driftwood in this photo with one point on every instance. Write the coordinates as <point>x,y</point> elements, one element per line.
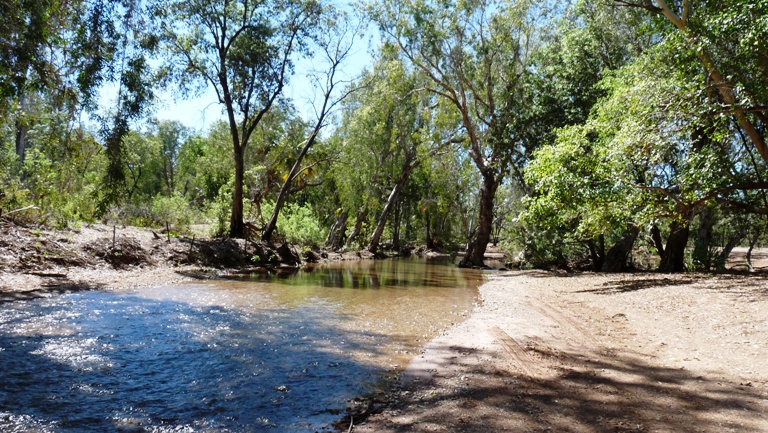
<point>47,274</point>
<point>23,209</point>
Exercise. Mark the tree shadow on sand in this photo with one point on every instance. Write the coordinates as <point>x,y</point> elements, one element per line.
<point>633,285</point>
<point>593,393</point>
<point>751,287</point>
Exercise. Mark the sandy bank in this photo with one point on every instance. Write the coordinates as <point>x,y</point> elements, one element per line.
<point>595,353</point>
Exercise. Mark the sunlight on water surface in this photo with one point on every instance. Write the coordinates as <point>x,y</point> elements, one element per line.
<point>262,352</point>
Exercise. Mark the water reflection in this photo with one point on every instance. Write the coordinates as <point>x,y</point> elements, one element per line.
<point>223,356</point>
<point>374,274</point>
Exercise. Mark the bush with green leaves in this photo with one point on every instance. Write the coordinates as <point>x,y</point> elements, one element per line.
<point>298,224</point>
<point>173,212</point>
<point>219,210</point>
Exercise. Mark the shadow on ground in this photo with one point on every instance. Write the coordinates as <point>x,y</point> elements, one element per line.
<point>748,286</point>
<point>593,393</point>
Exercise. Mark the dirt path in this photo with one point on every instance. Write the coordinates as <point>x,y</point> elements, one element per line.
<point>595,353</point>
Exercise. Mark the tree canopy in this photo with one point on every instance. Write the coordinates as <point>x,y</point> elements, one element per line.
<point>601,134</point>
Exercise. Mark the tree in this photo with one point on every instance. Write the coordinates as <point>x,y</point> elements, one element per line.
<point>110,46</point>
<point>171,135</point>
<point>728,38</point>
<point>244,51</point>
<point>335,40</point>
<point>587,42</point>
<point>474,54</point>
<point>404,116</point>
<point>645,158</point>
<point>28,37</point>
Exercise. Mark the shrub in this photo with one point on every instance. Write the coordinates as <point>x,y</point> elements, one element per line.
<point>298,224</point>
<point>173,212</point>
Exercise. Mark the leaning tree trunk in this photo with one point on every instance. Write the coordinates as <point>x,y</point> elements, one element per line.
<point>373,245</point>
<point>616,258</point>
<point>657,242</point>
<point>362,214</point>
<point>336,233</point>
<point>674,253</point>
<point>476,249</point>
<point>722,257</point>
<point>285,190</point>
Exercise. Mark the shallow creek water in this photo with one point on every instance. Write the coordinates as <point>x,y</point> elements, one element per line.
<point>263,352</point>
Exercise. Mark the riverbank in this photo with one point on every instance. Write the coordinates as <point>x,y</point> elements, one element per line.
<point>595,353</point>
<point>39,262</point>
<point>543,352</point>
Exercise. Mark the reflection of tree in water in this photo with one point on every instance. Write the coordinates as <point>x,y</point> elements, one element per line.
<point>392,273</point>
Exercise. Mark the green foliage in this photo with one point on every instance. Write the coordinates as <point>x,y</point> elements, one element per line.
<point>204,164</point>
<point>172,212</point>
<point>244,50</point>
<point>298,224</point>
<point>606,117</point>
<point>218,210</point>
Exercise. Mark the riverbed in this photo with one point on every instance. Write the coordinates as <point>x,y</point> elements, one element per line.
<point>272,351</point>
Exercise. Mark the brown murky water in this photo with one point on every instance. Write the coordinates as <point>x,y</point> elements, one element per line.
<point>264,352</point>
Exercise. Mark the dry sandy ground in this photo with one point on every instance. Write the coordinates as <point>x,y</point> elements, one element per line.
<point>595,353</point>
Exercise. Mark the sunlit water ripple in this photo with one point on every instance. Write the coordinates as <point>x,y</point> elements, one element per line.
<point>240,356</point>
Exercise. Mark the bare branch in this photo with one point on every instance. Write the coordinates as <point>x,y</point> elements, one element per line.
<point>644,5</point>
<point>758,109</point>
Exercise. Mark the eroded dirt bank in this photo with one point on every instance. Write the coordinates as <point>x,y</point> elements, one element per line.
<point>595,353</point>
<point>41,262</point>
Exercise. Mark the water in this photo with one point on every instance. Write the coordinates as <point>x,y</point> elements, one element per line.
<point>265,352</point>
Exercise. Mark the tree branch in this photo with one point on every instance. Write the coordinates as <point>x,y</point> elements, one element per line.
<point>646,6</point>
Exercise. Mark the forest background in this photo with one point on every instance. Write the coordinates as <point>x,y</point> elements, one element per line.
<point>603,134</point>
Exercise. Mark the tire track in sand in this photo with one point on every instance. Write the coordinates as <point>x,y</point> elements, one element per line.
<point>570,328</point>
<point>520,358</point>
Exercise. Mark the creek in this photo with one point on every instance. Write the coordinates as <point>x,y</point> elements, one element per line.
<point>283,352</point>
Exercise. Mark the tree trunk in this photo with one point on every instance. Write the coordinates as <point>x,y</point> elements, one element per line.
<point>373,245</point>
<point>429,240</point>
<point>674,253</point>
<point>597,252</point>
<point>616,257</point>
<point>236,223</point>
<point>752,243</point>
<point>702,252</point>
<point>336,233</point>
<point>722,258</point>
<point>22,129</point>
<point>724,87</point>
<point>362,214</point>
<point>396,226</point>
<point>266,236</point>
<point>21,141</point>
<point>657,242</point>
<point>477,246</point>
